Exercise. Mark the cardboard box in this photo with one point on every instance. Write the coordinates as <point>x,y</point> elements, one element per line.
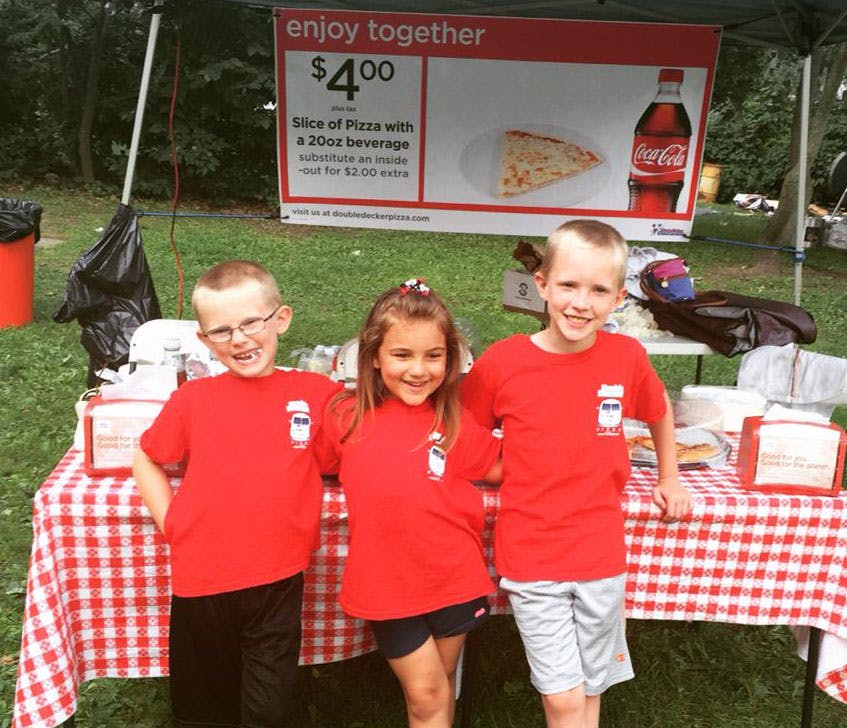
<point>112,429</point>
<point>791,457</point>
<point>521,295</point>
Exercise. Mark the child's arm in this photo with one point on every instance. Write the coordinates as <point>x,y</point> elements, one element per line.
<point>153,485</point>
<point>668,493</point>
<point>495,474</point>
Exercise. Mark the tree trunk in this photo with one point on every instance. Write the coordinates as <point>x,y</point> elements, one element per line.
<point>828,69</point>
<point>89,103</point>
<point>65,76</point>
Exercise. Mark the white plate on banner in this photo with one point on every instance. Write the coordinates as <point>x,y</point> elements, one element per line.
<point>480,165</point>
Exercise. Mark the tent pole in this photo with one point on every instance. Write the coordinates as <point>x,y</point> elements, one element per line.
<point>142,99</point>
<point>803,165</point>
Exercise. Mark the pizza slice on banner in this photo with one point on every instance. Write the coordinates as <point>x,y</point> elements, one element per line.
<point>530,161</point>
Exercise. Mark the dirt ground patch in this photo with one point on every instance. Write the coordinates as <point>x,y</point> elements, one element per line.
<point>45,242</point>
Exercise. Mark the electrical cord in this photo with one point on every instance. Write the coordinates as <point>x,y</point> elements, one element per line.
<point>175,162</point>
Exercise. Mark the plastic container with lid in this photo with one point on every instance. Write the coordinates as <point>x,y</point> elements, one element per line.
<point>697,414</point>
<point>692,415</point>
<point>698,436</point>
<point>735,404</point>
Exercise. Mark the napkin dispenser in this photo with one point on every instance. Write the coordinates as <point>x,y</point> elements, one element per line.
<point>112,429</point>
<point>781,456</point>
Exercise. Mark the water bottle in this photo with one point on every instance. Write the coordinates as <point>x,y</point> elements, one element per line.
<point>173,358</point>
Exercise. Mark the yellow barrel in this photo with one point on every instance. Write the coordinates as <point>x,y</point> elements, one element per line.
<point>710,180</point>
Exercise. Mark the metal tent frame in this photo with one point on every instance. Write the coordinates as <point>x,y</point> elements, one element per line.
<point>800,25</point>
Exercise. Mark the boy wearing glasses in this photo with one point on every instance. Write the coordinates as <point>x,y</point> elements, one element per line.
<point>243,523</point>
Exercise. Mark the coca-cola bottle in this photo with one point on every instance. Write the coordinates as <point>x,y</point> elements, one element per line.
<point>660,149</point>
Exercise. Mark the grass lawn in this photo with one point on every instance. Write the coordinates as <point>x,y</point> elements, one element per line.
<point>694,675</point>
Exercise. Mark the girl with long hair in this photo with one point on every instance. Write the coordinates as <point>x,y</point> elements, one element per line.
<point>406,455</point>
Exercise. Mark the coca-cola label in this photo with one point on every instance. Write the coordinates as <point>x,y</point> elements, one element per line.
<point>659,158</point>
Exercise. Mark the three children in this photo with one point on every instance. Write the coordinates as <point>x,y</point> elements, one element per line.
<point>245,519</point>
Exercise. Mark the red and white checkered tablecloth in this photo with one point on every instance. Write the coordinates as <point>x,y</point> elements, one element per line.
<point>98,586</point>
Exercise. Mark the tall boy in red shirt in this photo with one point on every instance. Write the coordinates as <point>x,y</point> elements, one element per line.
<point>243,523</point>
<point>560,396</point>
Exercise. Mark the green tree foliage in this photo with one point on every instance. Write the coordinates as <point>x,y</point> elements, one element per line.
<point>29,61</point>
<point>224,130</point>
<point>223,126</point>
<point>750,119</point>
<point>749,128</point>
<point>224,121</point>
<point>834,142</point>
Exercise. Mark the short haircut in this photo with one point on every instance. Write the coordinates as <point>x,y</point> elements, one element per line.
<point>593,233</point>
<point>232,273</point>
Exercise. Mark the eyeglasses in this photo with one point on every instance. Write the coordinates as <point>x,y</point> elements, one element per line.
<point>248,327</point>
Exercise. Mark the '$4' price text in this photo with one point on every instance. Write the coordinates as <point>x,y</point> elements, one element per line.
<point>344,78</point>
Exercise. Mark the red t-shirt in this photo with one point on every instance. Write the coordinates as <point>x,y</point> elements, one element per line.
<point>415,518</point>
<point>565,460</point>
<point>248,509</point>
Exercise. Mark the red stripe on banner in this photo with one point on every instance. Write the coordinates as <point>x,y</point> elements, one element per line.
<point>474,207</point>
<point>527,39</point>
<point>422,150</point>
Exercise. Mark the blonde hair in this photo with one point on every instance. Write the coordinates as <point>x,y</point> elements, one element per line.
<point>593,233</point>
<point>232,273</point>
<point>401,304</point>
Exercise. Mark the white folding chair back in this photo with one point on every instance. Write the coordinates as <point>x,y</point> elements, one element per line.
<point>348,355</point>
<point>146,343</point>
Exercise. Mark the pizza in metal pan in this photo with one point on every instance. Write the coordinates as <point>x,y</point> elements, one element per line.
<point>685,453</point>
<point>530,161</point>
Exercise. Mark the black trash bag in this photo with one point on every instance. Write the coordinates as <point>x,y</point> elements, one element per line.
<point>110,292</point>
<point>19,218</point>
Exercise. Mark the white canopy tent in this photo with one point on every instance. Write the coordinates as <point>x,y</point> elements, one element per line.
<point>800,25</point>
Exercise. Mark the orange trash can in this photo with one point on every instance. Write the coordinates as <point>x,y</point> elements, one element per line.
<point>19,232</point>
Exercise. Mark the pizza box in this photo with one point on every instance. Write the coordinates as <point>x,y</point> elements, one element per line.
<point>521,295</point>
<point>782,456</point>
<point>112,429</point>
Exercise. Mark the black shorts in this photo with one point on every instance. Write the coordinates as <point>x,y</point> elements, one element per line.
<point>233,656</point>
<point>400,637</point>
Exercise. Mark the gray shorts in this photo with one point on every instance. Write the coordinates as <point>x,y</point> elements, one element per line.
<point>573,632</point>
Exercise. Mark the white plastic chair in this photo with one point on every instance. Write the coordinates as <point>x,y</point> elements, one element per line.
<point>145,346</point>
<point>348,354</point>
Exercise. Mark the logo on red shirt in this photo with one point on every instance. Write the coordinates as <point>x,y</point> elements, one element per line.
<point>300,423</point>
<point>437,458</point>
<point>610,409</point>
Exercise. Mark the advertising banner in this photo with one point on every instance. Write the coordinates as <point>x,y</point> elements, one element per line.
<point>494,125</point>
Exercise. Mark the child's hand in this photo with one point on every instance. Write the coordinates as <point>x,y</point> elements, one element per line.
<point>672,498</point>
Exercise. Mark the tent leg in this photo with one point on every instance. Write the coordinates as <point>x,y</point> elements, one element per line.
<point>142,100</point>
<point>803,165</point>
<point>811,675</point>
